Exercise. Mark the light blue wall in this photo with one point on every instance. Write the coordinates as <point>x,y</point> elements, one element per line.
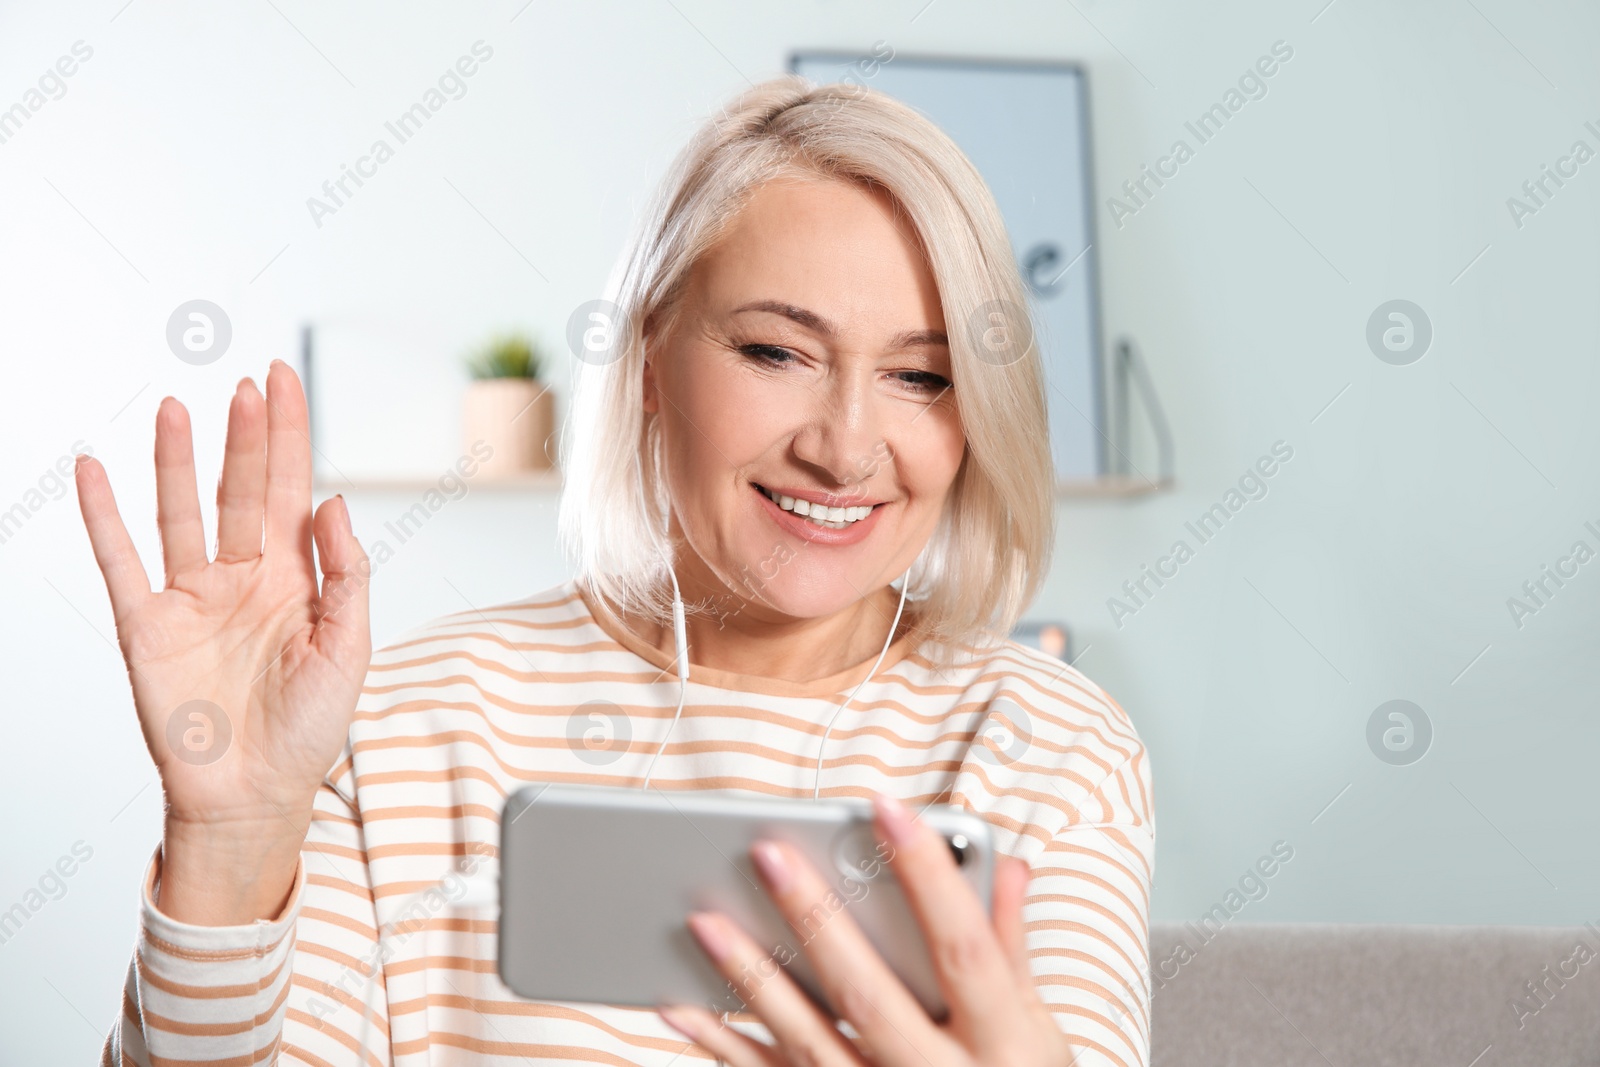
<point>1378,566</point>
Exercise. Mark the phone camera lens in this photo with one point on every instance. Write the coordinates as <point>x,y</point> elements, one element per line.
<point>960,848</point>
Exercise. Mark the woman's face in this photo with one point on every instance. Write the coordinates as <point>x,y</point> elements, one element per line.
<point>807,368</point>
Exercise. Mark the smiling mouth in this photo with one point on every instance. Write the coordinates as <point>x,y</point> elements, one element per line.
<point>828,518</point>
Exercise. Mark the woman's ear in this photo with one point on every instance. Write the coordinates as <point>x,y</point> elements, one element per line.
<point>652,400</point>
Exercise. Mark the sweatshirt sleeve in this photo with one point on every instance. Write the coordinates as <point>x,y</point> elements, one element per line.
<point>304,987</point>
<point>1086,921</point>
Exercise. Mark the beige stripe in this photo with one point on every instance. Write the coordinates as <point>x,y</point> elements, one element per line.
<point>1081,1042</point>
<point>374,1014</point>
<point>179,1027</point>
<point>148,977</point>
<point>529,1051</point>
<point>329,1029</point>
<point>360,892</point>
<point>1115,857</point>
<point>541,1010</point>
<point>1088,931</point>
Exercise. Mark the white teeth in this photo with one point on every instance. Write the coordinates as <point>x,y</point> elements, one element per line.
<point>832,518</point>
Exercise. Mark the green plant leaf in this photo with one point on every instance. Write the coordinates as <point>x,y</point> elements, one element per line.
<point>507,356</point>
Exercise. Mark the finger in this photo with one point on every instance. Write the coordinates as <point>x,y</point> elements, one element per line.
<point>288,466</point>
<point>971,966</point>
<point>855,980</point>
<point>803,1033</point>
<point>241,492</point>
<point>183,533</point>
<point>1011,878</point>
<point>718,1038</point>
<point>126,580</point>
<point>343,632</point>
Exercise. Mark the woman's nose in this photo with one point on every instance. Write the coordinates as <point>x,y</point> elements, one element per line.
<point>843,433</point>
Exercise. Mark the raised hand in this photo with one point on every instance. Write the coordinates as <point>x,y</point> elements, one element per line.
<point>245,675</point>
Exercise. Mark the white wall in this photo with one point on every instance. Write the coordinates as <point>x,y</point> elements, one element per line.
<point>178,163</point>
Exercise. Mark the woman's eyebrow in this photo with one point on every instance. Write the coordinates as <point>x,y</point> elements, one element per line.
<point>816,323</point>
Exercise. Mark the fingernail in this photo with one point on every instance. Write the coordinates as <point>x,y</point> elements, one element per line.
<point>679,1020</point>
<point>711,939</point>
<point>896,819</point>
<point>774,868</point>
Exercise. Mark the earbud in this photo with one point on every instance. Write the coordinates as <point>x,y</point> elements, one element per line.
<point>680,631</point>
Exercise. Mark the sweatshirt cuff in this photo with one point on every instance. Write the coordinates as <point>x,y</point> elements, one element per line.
<point>258,937</point>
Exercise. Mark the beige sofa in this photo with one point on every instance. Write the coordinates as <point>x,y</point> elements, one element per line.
<point>1332,995</point>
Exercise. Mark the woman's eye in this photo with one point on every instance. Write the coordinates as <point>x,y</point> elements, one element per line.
<point>919,381</point>
<point>767,353</point>
<point>924,381</point>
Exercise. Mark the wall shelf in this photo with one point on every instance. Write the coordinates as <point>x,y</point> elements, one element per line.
<point>534,481</point>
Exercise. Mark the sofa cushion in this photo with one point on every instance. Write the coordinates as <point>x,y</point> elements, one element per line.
<point>1321,994</point>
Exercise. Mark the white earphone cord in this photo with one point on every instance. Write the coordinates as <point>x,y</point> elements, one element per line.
<point>816,779</point>
<point>681,640</point>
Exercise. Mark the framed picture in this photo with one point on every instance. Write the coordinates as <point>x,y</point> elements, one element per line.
<point>1025,126</point>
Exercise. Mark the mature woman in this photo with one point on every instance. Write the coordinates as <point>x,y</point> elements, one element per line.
<point>818,383</point>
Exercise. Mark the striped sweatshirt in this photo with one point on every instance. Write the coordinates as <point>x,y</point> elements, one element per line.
<point>373,960</point>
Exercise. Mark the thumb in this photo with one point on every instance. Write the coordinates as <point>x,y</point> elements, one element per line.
<point>1011,877</point>
<point>344,633</point>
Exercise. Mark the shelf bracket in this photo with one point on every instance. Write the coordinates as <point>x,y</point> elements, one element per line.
<point>1128,371</point>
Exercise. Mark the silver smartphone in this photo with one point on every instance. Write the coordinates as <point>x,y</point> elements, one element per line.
<point>596,882</point>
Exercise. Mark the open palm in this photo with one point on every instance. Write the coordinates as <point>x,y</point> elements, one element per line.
<point>245,676</point>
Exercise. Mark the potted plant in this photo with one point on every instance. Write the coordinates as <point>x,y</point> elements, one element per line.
<point>509,409</point>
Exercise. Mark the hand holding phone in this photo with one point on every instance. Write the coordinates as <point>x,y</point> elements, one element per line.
<point>597,882</point>
<point>979,955</point>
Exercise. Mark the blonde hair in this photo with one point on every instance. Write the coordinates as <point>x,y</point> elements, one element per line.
<point>991,548</point>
